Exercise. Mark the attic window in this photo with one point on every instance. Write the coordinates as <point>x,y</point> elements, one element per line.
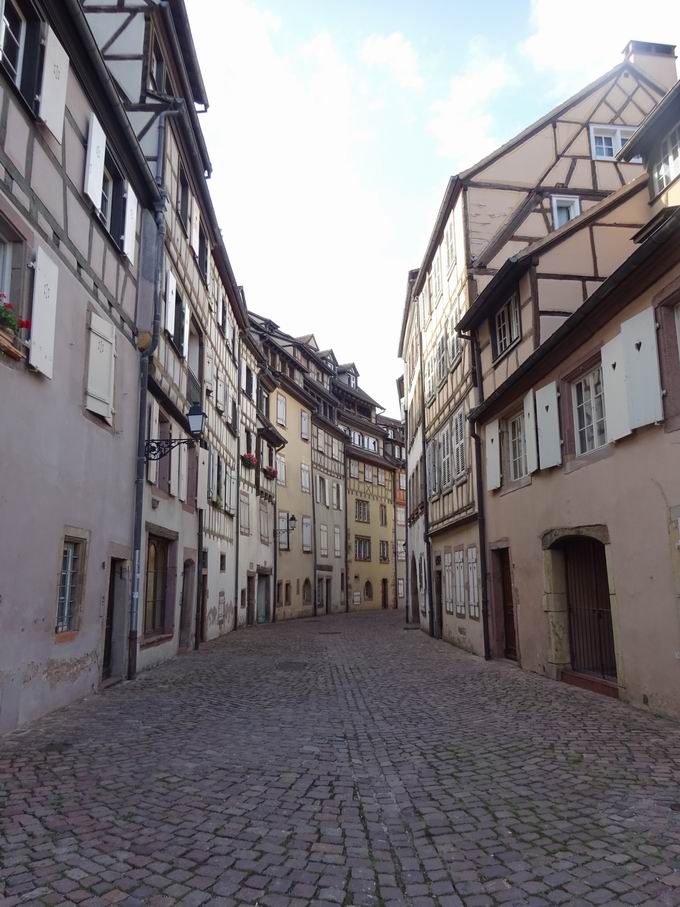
<point>607,141</point>
<point>564,209</point>
<point>507,326</point>
<point>667,166</point>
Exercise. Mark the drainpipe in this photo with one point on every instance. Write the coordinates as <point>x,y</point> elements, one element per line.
<point>199,583</point>
<point>395,479</point>
<point>313,490</point>
<point>479,491</point>
<point>346,498</point>
<point>426,521</point>
<point>275,537</point>
<point>238,482</point>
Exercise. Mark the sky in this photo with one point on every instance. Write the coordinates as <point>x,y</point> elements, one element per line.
<point>334,125</point>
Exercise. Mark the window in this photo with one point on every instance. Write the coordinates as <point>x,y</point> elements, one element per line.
<point>383,515</point>
<point>280,409</point>
<point>107,198</point>
<point>323,537</point>
<point>589,415</point>
<point>362,548</point>
<point>12,39</point>
<point>449,239</point>
<point>445,448</point>
<point>245,513</point>
<point>283,533</point>
<point>667,167</point>
<point>183,198</point>
<point>178,326</point>
<point>607,141</point>
<point>202,252</point>
<point>473,584</point>
<point>368,590</point>
<point>437,278</point>
<point>157,68</point>
<point>368,473</point>
<point>402,481</point>
<point>384,552</point>
<point>362,511</point>
<point>507,325</point>
<point>305,478</point>
<point>307,592</point>
<point>70,585</point>
<point>156,585</point>
<point>304,425</point>
<point>381,476</point>
<point>370,443</point>
<point>518,451</point>
<point>357,439</point>
<point>280,470</point>
<point>441,358</point>
<point>455,341</point>
<point>337,541</point>
<point>400,588</point>
<point>429,376</point>
<point>337,496</point>
<point>223,562</point>
<point>288,591</point>
<point>354,469</point>
<point>448,582</point>
<point>564,209</point>
<point>459,573</point>
<point>306,533</point>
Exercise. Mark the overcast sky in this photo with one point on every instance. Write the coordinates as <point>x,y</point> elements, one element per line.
<point>334,126</point>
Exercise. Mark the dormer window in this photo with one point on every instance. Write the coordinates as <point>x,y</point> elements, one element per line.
<point>607,141</point>
<point>667,166</point>
<point>564,209</point>
<point>507,326</point>
<point>352,381</point>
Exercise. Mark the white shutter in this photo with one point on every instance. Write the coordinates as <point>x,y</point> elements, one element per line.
<point>226,486</point>
<point>208,371</point>
<point>170,299</point>
<point>53,86</point>
<point>185,338</point>
<point>130,225</point>
<point>174,464</point>
<point>182,451</point>
<point>493,455</point>
<point>212,475</point>
<point>43,313</point>
<point>530,433</point>
<point>152,465</point>
<point>614,384</point>
<point>202,479</point>
<point>195,224</point>
<point>100,367</point>
<point>548,426</point>
<point>283,530</point>
<point>232,492</point>
<point>643,381</point>
<point>220,310</point>
<point>446,455</point>
<point>327,493</point>
<point>219,394</point>
<point>317,489</point>
<point>94,162</point>
<point>473,582</point>
<point>340,496</point>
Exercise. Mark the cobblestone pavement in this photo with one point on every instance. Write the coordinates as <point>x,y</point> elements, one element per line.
<point>342,760</point>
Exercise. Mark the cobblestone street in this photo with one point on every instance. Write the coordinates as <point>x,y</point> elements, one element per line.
<point>341,760</point>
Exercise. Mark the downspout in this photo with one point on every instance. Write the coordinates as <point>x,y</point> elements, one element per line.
<point>346,498</point>
<point>395,479</point>
<point>479,491</point>
<point>426,521</point>
<point>159,214</point>
<point>275,537</point>
<point>314,523</point>
<point>238,482</point>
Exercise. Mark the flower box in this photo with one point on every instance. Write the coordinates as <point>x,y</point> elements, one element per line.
<point>249,460</point>
<point>269,472</point>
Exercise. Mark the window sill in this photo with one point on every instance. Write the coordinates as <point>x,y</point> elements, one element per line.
<point>65,636</point>
<point>148,642</point>
<point>514,485</point>
<point>506,352</point>
<point>585,459</point>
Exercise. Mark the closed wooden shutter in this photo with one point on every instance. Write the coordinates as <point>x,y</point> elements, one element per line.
<point>43,313</point>
<point>94,162</point>
<point>283,530</point>
<point>174,464</point>
<point>195,225</point>
<point>202,479</point>
<point>185,335</point>
<point>643,380</point>
<point>208,371</point>
<point>473,582</point>
<point>130,224</point>
<point>53,86</point>
<point>182,451</point>
<point>152,465</point>
<point>100,367</point>
<point>548,426</point>
<point>530,433</point>
<point>493,455</point>
<point>170,300</point>
<point>614,385</point>
<point>219,394</point>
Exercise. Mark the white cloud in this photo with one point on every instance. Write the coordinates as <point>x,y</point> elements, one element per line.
<point>576,48</point>
<point>462,123</point>
<point>396,54</point>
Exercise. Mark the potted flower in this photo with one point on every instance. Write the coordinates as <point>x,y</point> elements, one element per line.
<point>249,460</point>
<point>218,502</point>
<point>269,472</point>
<point>9,323</point>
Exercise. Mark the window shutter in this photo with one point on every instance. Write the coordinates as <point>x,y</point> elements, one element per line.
<point>130,225</point>
<point>283,530</point>
<point>94,162</point>
<point>53,86</point>
<point>174,464</point>
<point>446,455</point>
<point>170,299</point>
<point>327,493</point>
<point>182,450</point>
<point>548,425</point>
<point>641,357</point>
<point>219,394</point>
<point>152,465</point>
<point>317,489</point>
<point>195,217</point>
<point>212,475</point>
<point>202,479</point>
<point>100,367</point>
<point>493,455</point>
<point>473,582</point>
<point>232,492</point>
<point>208,371</point>
<point>530,433</point>
<point>340,504</point>
<point>43,313</point>
<point>185,335</point>
<point>614,384</point>
<point>225,490</point>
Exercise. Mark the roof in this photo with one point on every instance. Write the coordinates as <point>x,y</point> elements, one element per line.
<point>584,321</point>
<point>662,117</point>
<point>513,268</point>
<point>181,21</point>
<point>356,392</point>
<point>411,279</point>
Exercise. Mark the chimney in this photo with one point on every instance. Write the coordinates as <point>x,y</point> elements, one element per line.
<point>656,61</point>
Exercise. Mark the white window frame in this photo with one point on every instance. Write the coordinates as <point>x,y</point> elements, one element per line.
<point>306,534</point>
<point>323,539</point>
<point>448,582</point>
<point>337,542</point>
<point>459,582</point>
<point>667,167</point>
<point>517,447</point>
<point>281,409</point>
<point>618,134</point>
<point>571,202</point>
<point>368,473</point>
<point>354,469</point>
<point>304,425</point>
<point>280,470</point>
<point>445,448</point>
<point>305,478</point>
<point>458,453</point>
<point>21,42</point>
<point>455,341</point>
<point>507,324</point>
<point>589,380</point>
<point>442,358</point>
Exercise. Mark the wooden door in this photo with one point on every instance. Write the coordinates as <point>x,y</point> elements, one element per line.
<point>108,631</point>
<point>384,592</point>
<point>250,605</point>
<point>509,632</point>
<point>591,634</point>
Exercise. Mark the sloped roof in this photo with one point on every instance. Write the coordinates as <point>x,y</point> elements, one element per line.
<point>662,117</point>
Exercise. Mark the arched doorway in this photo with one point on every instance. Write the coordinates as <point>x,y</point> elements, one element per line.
<point>591,634</point>
<point>414,603</point>
<point>384,593</point>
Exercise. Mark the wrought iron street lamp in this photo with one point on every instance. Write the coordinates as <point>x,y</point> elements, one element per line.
<point>157,448</point>
<point>291,523</point>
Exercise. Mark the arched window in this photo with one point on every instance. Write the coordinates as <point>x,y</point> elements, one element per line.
<point>368,591</point>
<point>306,592</point>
